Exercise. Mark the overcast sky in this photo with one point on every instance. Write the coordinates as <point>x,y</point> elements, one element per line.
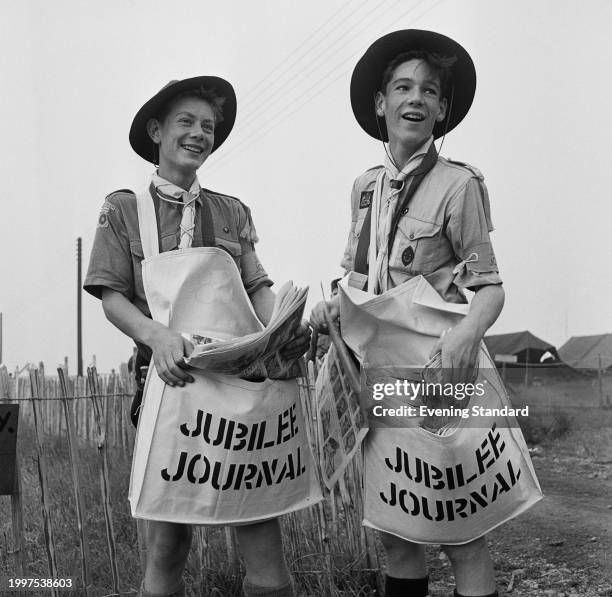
<point>75,73</point>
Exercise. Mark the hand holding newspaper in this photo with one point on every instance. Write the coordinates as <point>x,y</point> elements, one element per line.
<point>259,354</point>
<point>342,424</point>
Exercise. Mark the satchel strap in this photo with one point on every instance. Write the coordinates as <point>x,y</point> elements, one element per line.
<point>208,231</point>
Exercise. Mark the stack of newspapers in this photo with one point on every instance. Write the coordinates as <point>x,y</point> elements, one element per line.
<point>258,355</point>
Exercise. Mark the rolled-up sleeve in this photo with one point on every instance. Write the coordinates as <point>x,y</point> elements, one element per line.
<point>110,262</point>
<point>253,274</point>
<point>468,229</point>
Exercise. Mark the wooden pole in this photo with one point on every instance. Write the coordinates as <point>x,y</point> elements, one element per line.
<point>141,535</point>
<point>42,475</point>
<point>17,515</point>
<point>200,550</point>
<point>231,549</point>
<point>79,318</point>
<point>78,497</point>
<point>324,542</point>
<point>5,383</point>
<point>104,477</point>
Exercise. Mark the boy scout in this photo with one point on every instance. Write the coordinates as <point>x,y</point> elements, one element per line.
<point>410,88</point>
<point>178,129</point>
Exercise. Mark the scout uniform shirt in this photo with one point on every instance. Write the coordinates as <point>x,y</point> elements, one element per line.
<point>117,254</point>
<point>443,234</point>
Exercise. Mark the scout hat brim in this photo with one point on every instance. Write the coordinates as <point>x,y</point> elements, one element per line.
<point>367,78</point>
<point>140,141</point>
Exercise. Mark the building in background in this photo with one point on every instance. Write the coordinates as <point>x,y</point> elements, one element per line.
<point>588,352</point>
<point>520,348</point>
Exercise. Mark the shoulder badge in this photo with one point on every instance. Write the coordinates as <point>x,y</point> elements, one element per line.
<point>106,208</point>
<point>365,200</point>
<point>366,180</point>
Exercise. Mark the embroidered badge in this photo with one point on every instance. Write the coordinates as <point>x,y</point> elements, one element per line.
<point>103,221</point>
<point>407,256</point>
<point>106,207</point>
<point>366,199</point>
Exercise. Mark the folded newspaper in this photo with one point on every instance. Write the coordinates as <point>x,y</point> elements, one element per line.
<point>256,355</point>
<point>342,425</point>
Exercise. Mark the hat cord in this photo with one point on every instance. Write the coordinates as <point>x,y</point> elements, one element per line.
<point>448,116</point>
<point>377,117</point>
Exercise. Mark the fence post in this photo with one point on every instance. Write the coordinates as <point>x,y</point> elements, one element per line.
<point>141,535</point>
<point>92,377</point>
<point>78,497</point>
<point>42,474</point>
<point>5,383</point>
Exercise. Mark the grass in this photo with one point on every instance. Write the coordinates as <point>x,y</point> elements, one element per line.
<point>557,408</point>
<point>208,571</point>
<point>324,550</point>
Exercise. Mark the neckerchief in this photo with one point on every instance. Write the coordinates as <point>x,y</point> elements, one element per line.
<point>398,196</point>
<point>168,191</point>
<point>392,188</point>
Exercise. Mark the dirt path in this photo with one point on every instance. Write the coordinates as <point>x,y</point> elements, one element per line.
<point>562,547</point>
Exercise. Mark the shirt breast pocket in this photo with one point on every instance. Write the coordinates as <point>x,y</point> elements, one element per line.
<point>169,242</point>
<point>420,247</point>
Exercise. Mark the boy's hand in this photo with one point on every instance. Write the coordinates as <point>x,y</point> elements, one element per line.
<point>300,343</point>
<point>168,346</point>
<point>169,349</point>
<point>317,315</point>
<point>459,347</point>
<point>461,344</point>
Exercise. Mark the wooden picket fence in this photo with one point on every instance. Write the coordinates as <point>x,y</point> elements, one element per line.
<point>113,393</point>
<point>326,545</point>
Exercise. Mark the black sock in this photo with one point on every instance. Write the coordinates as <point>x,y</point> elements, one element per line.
<point>493,594</point>
<point>405,587</point>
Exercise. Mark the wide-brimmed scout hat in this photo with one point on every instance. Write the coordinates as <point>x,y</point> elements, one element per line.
<point>139,137</point>
<point>367,78</point>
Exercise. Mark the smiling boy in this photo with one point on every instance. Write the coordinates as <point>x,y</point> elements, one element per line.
<point>178,129</point>
<point>409,88</point>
